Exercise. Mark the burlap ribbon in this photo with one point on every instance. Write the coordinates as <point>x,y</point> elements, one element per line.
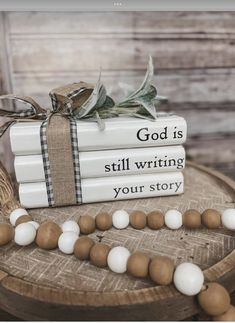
<point>61,160</point>
<point>59,144</point>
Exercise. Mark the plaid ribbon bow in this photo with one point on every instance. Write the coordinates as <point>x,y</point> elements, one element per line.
<point>31,112</point>
<point>64,100</point>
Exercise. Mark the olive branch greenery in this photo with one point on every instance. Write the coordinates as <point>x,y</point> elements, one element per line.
<point>141,103</point>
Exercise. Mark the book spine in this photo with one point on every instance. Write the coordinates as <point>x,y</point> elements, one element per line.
<point>33,195</point>
<point>118,133</point>
<point>109,163</point>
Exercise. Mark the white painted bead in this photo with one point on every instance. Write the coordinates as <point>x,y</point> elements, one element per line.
<point>35,224</point>
<point>121,219</point>
<point>188,279</point>
<point>228,219</point>
<point>173,219</point>
<point>67,241</point>
<point>25,234</point>
<point>16,214</point>
<point>70,226</point>
<point>117,259</point>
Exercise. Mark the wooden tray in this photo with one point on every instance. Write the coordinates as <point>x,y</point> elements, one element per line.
<point>40,285</point>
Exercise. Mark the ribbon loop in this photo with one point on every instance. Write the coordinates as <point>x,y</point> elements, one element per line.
<point>67,98</point>
<point>34,107</point>
<point>33,111</point>
<point>5,126</point>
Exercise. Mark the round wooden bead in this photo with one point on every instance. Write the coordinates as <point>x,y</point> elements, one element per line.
<point>161,270</point>
<point>138,264</point>
<point>99,254</point>
<point>67,241</point>
<point>6,233</point>
<point>15,214</point>
<point>86,224</point>
<point>173,219</point>
<point>83,247</point>
<point>138,220</point>
<point>103,221</point>
<point>214,300</point>
<point>192,219</point>
<point>188,279</point>
<point>120,219</point>
<point>228,219</point>
<point>35,224</point>
<point>155,220</point>
<point>227,316</point>
<point>117,259</point>
<point>70,226</point>
<point>48,235</point>
<point>23,219</point>
<point>211,219</point>
<point>25,234</point>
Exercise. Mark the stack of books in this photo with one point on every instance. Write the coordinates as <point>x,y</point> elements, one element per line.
<point>131,158</point>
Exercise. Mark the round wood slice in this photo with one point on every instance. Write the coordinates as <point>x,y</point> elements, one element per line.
<point>41,285</point>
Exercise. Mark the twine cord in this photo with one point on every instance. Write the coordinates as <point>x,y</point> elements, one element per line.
<point>8,201</point>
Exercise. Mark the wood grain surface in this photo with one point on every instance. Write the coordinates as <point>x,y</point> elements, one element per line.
<point>46,285</point>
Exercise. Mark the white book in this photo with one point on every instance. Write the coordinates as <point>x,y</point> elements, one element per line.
<point>33,195</point>
<point>109,163</point>
<point>119,133</point>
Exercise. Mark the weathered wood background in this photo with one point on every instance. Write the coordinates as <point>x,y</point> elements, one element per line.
<point>194,57</point>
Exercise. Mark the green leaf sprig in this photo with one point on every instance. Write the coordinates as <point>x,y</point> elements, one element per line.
<point>141,103</point>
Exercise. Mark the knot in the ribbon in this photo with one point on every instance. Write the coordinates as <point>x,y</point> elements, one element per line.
<point>65,100</point>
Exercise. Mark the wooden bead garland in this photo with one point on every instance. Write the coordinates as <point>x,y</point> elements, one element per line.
<point>117,259</point>
<point>35,224</point>
<point>23,219</point>
<point>229,315</point>
<point>120,219</point>
<point>83,247</point>
<point>103,221</point>
<point>48,235</point>
<point>187,277</point>
<point>173,219</point>
<point>99,254</point>
<point>86,224</point>
<point>192,219</point>
<point>25,234</point>
<point>15,214</point>
<point>70,226</point>
<point>155,220</point>
<point>138,220</point>
<point>67,242</point>
<point>161,270</point>
<point>214,300</point>
<point>211,219</point>
<point>138,264</point>
<point>228,219</point>
<point>6,233</point>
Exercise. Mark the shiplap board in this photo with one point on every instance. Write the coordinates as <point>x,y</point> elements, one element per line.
<point>213,85</point>
<point>5,87</point>
<point>121,22</point>
<point>56,55</point>
<point>217,152</point>
<point>203,122</point>
<point>212,150</point>
<point>194,56</point>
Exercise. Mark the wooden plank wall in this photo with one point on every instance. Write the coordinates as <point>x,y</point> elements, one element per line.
<point>5,87</point>
<point>193,52</point>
